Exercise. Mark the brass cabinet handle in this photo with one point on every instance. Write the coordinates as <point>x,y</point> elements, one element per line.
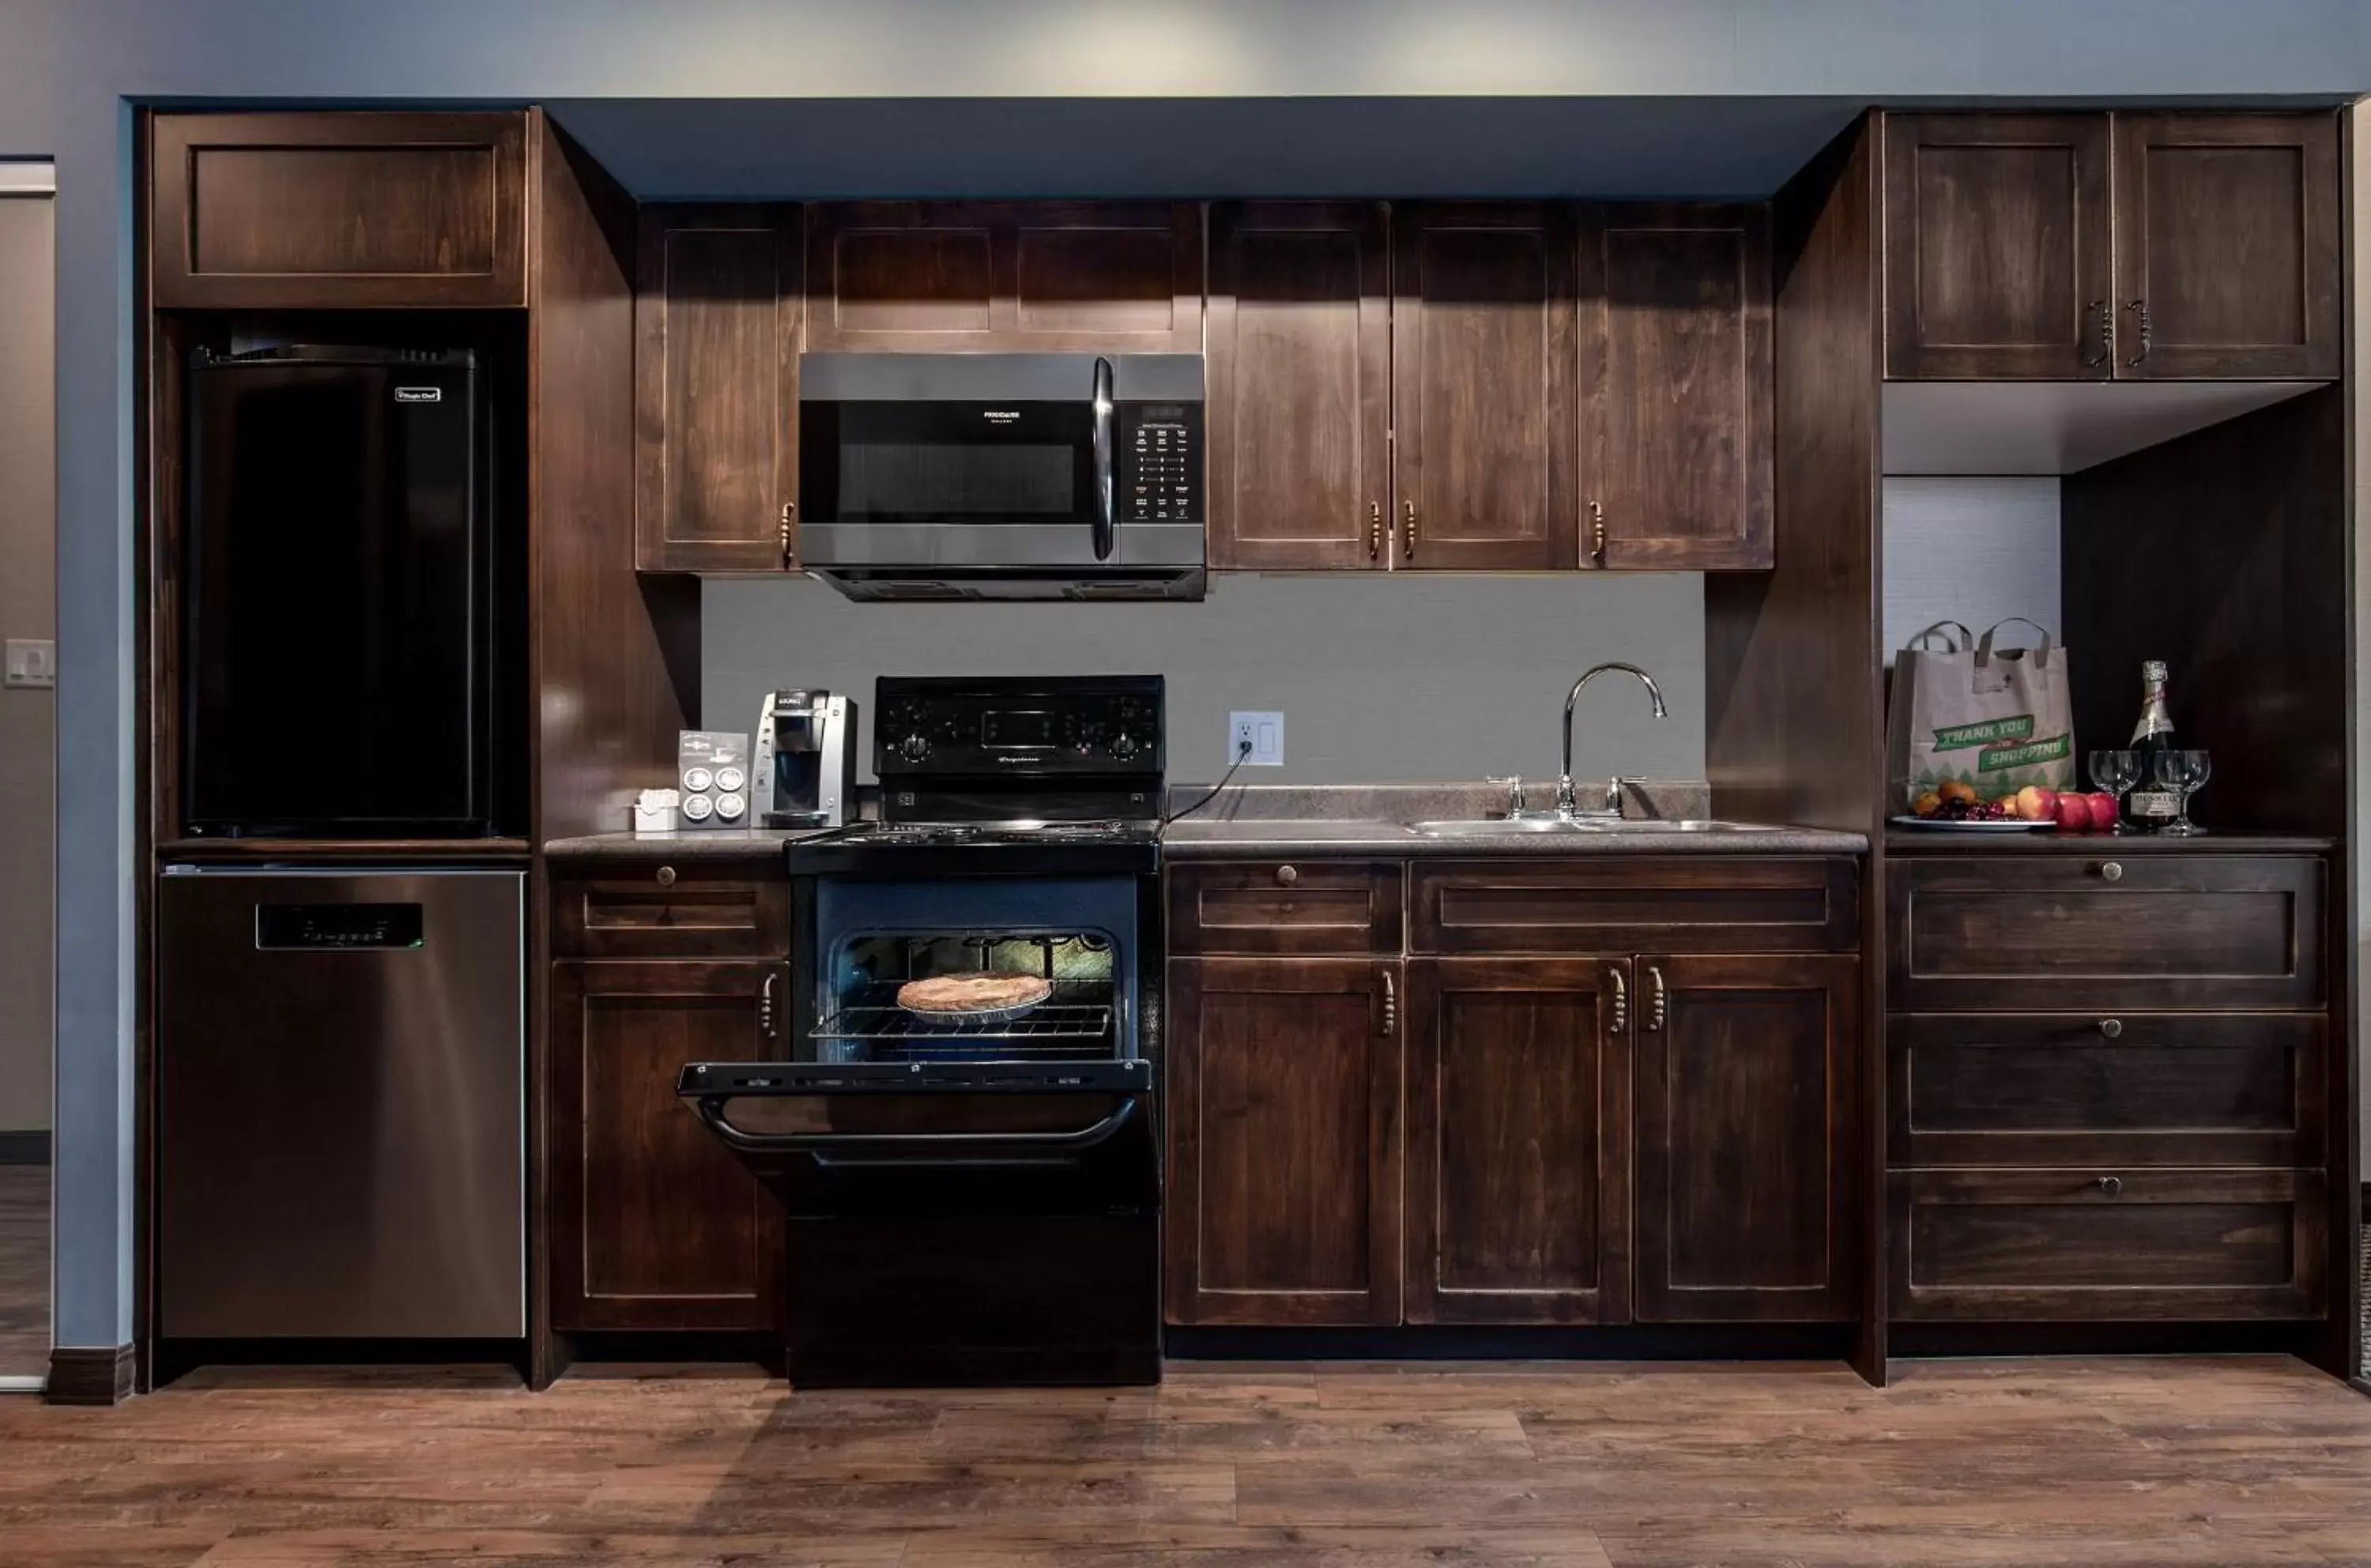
<point>2106,317</point>
<point>1597,532</point>
<point>1658,999</point>
<point>2110,1185</point>
<point>2111,871</point>
<point>1409,513</point>
<point>1620,1000</point>
<point>1286,876</point>
<point>1391,1007</point>
<point>2113,1028</point>
<point>766,1008</point>
<point>789,552</point>
<point>666,876</point>
<point>1374,530</point>
<point>2140,308</point>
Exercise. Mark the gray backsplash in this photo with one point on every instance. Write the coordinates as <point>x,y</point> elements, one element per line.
<point>1379,678</point>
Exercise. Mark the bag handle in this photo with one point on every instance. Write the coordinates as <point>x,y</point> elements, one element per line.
<point>2040,649</point>
<point>1960,645</point>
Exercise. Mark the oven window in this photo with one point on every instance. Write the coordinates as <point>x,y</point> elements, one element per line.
<point>863,1021</point>
<point>944,462</point>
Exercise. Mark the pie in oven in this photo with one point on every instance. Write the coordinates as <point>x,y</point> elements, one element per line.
<point>985,992</point>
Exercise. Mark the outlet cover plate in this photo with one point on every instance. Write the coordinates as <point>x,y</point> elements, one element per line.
<point>1265,732</point>
<point>32,662</point>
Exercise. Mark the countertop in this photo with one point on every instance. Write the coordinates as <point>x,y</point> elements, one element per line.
<point>1195,840</point>
<point>2106,845</point>
<point>698,844</point>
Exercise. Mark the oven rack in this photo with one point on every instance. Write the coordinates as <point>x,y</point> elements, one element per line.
<point>1077,1012</point>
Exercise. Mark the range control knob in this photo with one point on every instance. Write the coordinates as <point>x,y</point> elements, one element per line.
<point>1123,745</point>
<point>914,747</point>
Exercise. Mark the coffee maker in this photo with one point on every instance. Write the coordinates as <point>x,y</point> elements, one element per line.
<point>803,772</point>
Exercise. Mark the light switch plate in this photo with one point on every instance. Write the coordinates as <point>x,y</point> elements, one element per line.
<point>32,662</point>
<point>1265,733</point>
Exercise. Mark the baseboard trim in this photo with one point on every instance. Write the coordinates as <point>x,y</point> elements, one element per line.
<point>98,1376</point>
<point>20,1148</point>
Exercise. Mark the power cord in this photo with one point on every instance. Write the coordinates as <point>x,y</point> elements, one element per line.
<point>1242,755</point>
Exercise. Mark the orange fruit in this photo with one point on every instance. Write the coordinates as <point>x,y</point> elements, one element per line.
<point>1958,790</point>
<point>1927,804</point>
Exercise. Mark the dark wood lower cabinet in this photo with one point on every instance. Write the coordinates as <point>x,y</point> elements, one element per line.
<point>1282,1199</point>
<point>1519,1140</point>
<point>653,1224</point>
<point>1747,1096</point>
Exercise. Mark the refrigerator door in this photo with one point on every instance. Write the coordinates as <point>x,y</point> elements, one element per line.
<point>335,641</point>
<point>339,1105</point>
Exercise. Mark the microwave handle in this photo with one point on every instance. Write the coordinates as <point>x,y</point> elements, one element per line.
<point>1102,459</point>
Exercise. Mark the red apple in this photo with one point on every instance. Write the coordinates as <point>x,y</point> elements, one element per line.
<point>2072,812</point>
<point>2035,803</point>
<point>2103,811</point>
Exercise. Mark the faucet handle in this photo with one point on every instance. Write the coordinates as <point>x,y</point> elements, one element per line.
<point>1514,783</point>
<point>1614,794</point>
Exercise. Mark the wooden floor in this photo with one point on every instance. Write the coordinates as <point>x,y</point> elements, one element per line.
<point>2096,1464</point>
<point>24,1270</point>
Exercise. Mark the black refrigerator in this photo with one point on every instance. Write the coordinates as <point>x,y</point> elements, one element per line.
<point>338,644</point>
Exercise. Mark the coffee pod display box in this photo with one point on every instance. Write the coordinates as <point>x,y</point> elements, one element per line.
<point>711,773</point>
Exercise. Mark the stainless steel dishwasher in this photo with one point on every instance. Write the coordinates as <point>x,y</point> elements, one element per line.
<point>341,1066</point>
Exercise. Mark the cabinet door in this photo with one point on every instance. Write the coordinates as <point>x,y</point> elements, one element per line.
<point>957,277</point>
<point>1519,1140</point>
<point>1300,362</point>
<point>653,1224</point>
<point>1485,375</point>
<point>2228,245</point>
<point>1676,389</point>
<point>1996,247</point>
<point>716,410</point>
<point>1283,1192</point>
<point>1746,1106</point>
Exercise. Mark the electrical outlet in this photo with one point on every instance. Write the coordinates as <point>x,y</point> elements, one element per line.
<point>1265,733</point>
<point>31,662</point>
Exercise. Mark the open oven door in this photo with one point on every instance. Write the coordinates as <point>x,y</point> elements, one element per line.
<point>953,1225</point>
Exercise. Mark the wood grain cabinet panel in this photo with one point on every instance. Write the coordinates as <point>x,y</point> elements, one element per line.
<point>1300,413</point>
<point>653,1224</point>
<point>339,210</point>
<point>2136,1088</point>
<point>2228,245</point>
<point>1583,905</point>
<point>684,910</point>
<point>1280,908</point>
<point>2148,933</point>
<point>1748,1085</point>
<point>2106,1245</point>
<point>1485,378</point>
<point>952,277</point>
<point>717,305</point>
<point>1676,389</point>
<point>1282,1196</point>
<point>1997,247</point>
<point>1518,1141</point>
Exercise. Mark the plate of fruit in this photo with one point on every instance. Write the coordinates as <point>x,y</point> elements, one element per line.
<point>1955,806</point>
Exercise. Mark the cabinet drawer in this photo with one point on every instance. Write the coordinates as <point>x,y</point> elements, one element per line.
<point>1622,905</point>
<point>2154,931</point>
<point>2140,1089</point>
<point>1294,907</point>
<point>2090,1246</point>
<point>671,911</point>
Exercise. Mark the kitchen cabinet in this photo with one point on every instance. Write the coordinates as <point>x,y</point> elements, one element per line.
<point>1282,1195</point>
<point>333,211</point>
<point>1519,1140</point>
<point>1300,416</point>
<point>653,1225</point>
<point>1283,908</point>
<point>957,277</point>
<point>1486,362</point>
<point>2133,246</point>
<point>717,310</point>
<point>1676,389</point>
<point>1747,1101</point>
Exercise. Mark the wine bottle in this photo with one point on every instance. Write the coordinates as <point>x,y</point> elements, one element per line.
<point>2149,807</point>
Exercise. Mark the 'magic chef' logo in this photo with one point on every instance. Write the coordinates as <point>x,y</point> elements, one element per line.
<point>420,393</point>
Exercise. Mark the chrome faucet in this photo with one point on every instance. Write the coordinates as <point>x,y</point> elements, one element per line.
<point>1566,802</point>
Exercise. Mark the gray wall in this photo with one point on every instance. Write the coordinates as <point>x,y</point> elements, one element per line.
<point>27,718</point>
<point>69,67</point>
<point>1975,549</point>
<point>1379,679</point>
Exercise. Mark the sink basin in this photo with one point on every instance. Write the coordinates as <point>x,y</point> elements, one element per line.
<point>1492,826</point>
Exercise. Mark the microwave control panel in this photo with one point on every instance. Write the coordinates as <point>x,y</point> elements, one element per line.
<point>1158,477</point>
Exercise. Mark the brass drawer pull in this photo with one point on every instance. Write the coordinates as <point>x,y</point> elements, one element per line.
<point>1620,1000</point>
<point>1286,876</point>
<point>2111,871</point>
<point>2113,1028</point>
<point>790,538</point>
<point>1658,999</point>
<point>1597,532</point>
<point>1410,514</point>
<point>766,1008</point>
<point>2140,308</point>
<point>666,876</point>
<point>1374,530</point>
<point>2099,308</point>
<point>2110,1185</point>
<point>1391,1007</point>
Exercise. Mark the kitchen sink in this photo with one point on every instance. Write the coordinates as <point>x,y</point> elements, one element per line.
<point>1462,827</point>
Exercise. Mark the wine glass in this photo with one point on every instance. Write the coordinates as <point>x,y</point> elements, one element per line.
<point>2113,772</point>
<point>2183,772</point>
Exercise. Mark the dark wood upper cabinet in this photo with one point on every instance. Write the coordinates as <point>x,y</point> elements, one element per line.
<point>1747,1091</point>
<point>2228,245</point>
<point>339,210</point>
<point>717,303</point>
<point>652,1223</point>
<point>1300,411</point>
<point>1996,247</point>
<point>1519,1140</point>
<point>1676,389</point>
<point>1486,380</point>
<point>1282,1195</point>
<point>959,276</point>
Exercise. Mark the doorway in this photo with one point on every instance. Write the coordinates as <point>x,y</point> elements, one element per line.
<point>28,760</point>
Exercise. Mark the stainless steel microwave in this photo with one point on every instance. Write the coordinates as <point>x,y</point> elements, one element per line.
<point>1041,475</point>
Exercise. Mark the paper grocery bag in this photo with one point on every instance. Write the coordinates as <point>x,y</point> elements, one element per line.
<point>1994,719</point>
